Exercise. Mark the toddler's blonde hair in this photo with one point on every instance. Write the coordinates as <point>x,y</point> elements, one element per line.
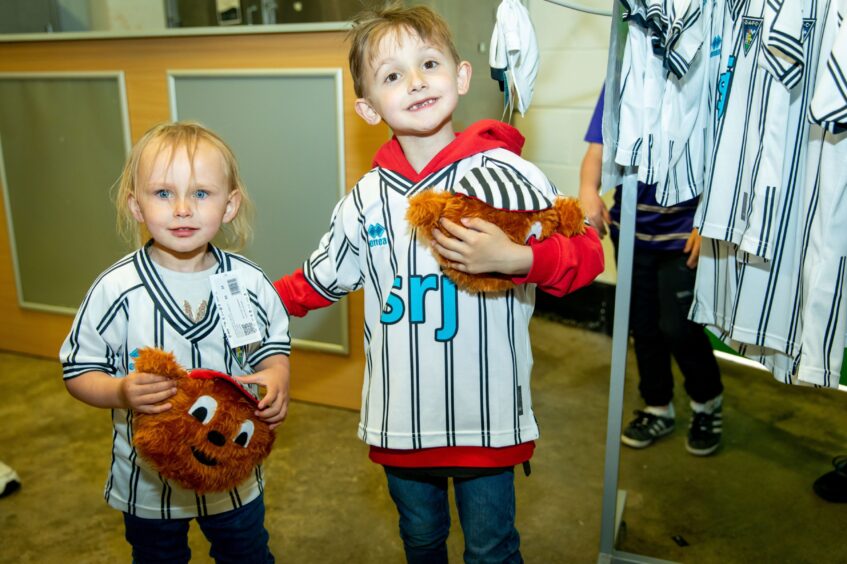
<point>170,137</point>
<point>371,26</point>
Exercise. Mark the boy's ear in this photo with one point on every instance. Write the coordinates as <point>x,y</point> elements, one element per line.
<point>135,209</point>
<point>463,77</point>
<point>367,112</point>
<point>233,202</point>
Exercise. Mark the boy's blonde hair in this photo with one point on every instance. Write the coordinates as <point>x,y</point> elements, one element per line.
<point>371,26</point>
<point>170,137</point>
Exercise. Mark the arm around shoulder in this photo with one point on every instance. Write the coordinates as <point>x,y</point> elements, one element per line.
<point>298,296</point>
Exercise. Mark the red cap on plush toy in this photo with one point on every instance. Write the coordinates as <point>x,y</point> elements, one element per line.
<point>210,440</point>
<point>206,374</point>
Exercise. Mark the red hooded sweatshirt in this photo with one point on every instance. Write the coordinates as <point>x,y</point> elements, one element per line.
<point>560,265</point>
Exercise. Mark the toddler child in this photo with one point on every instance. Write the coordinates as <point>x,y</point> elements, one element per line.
<point>446,389</point>
<point>181,182</point>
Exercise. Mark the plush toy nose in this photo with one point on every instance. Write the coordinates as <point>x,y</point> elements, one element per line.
<point>216,438</point>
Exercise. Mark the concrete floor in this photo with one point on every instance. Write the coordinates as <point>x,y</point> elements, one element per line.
<point>751,502</point>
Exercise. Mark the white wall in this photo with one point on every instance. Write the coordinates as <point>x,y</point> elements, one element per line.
<point>573,50</point>
<point>127,15</point>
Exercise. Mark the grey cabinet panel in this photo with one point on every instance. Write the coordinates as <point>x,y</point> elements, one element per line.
<point>64,139</point>
<point>286,129</point>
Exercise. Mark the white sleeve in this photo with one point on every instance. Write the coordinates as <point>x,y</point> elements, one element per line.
<point>685,36</point>
<point>97,336</point>
<point>829,103</point>
<point>334,269</point>
<point>783,33</point>
<point>274,321</point>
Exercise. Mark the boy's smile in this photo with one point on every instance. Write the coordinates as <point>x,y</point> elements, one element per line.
<point>183,202</point>
<point>414,86</point>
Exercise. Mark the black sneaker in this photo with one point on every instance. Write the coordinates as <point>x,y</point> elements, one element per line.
<point>704,433</point>
<point>9,481</point>
<point>646,428</point>
<point>832,486</point>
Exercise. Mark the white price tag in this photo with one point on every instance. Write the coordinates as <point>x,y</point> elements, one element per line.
<point>235,309</point>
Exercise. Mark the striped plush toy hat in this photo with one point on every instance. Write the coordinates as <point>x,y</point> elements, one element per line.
<point>501,189</point>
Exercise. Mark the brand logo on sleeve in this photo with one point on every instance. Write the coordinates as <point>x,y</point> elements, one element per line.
<point>716,46</point>
<point>376,235</point>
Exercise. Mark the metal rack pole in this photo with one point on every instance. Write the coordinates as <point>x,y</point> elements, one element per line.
<point>613,499</point>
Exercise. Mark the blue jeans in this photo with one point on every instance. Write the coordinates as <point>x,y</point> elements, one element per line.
<point>236,536</point>
<point>486,507</point>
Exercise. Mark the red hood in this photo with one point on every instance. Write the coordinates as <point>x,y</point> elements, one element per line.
<point>481,136</point>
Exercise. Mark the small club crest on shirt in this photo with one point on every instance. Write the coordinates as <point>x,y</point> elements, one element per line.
<point>750,30</point>
<point>807,27</point>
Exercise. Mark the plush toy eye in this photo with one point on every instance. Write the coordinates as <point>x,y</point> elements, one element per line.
<point>203,409</point>
<point>244,434</point>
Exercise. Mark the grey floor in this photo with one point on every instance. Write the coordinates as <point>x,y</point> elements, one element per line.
<point>751,502</point>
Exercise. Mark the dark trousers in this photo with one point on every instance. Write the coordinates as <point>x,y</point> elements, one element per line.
<point>662,292</point>
<point>237,537</point>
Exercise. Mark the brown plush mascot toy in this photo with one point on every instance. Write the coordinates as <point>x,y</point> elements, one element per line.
<point>503,198</point>
<point>210,440</point>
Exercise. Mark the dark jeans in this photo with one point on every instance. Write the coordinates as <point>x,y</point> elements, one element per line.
<point>486,507</point>
<point>236,536</point>
<point>662,292</point>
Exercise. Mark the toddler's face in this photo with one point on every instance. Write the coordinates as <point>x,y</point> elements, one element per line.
<point>412,84</point>
<point>183,206</point>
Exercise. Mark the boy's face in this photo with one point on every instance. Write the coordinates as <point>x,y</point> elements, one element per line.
<point>411,84</point>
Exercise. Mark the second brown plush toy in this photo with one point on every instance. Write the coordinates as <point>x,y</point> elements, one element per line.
<point>501,197</point>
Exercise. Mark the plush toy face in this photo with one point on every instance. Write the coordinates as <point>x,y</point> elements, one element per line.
<point>426,209</point>
<point>209,440</point>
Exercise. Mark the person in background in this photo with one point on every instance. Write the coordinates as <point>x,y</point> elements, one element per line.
<point>447,379</point>
<point>667,247</point>
<point>181,182</point>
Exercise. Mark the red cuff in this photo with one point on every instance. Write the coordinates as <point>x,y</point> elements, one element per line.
<point>454,457</point>
<point>562,264</point>
<point>297,295</point>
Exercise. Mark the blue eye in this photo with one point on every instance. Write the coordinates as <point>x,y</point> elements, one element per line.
<point>163,194</point>
<point>201,194</point>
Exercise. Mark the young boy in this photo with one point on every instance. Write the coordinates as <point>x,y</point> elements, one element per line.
<point>446,389</point>
<point>665,256</point>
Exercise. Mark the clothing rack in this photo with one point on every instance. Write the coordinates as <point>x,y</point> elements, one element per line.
<point>614,499</point>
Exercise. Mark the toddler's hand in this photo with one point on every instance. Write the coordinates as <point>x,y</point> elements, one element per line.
<point>145,392</point>
<point>274,377</point>
<point>479,246</point>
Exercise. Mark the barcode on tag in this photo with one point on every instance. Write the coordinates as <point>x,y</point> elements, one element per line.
<point>238,317</point>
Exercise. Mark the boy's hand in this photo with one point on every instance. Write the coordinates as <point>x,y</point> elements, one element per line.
<point>274,376</point>
<point>692,249</point>
<point>145,392</point>
<point>479,246</point>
